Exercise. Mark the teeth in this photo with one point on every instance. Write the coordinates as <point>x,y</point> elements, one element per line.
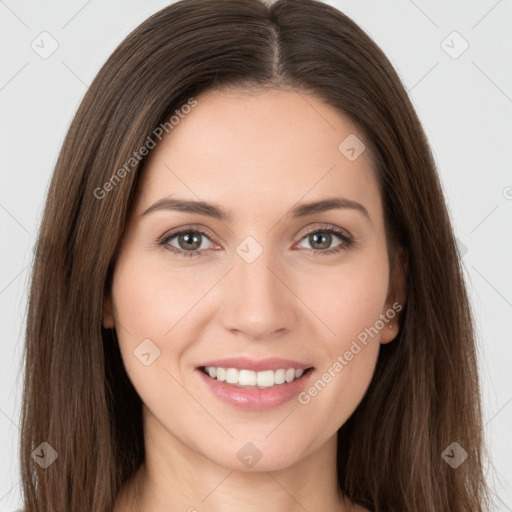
<point>232,376</point>
<point>289,375</point>
<point>265,379</point>
<point>248,378</point>
<point>279,376</point>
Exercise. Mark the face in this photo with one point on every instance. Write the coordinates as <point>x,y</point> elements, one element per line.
<point>272,285</point>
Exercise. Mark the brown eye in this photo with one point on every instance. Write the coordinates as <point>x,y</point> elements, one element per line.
<point>193,242</point>
<point>187,242</point>
<point>320,240</point>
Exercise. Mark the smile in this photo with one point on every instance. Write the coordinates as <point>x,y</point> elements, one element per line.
<point>252,379</point>
<point>255,384</point>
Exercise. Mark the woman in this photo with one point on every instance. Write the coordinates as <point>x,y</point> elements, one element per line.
<point>247,292</point>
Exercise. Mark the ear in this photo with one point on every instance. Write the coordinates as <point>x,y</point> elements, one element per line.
<point>396,298</point>
<point>108,316</point>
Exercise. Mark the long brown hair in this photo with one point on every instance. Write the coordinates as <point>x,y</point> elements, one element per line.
<point>424,395</point>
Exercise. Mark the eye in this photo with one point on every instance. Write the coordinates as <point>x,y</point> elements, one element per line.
<point>193,242</point>
<point>320,240</point>
<point>189,242</point>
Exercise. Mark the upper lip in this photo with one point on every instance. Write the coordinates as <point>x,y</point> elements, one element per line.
<point>256,365</point>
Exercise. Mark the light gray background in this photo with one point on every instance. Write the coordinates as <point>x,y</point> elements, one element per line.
<point>464,103</point>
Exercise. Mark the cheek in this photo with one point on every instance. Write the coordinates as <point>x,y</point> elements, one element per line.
<point>147,307</point>
<point>347,301</point>
<point>153,302</point>
<point>349,304</point>
<point>148,301</point>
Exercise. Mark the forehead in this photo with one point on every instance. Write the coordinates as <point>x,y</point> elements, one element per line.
<point>256,151</point>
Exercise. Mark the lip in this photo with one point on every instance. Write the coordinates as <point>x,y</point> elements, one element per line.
<point>256,365</point>
<point>251,399</point>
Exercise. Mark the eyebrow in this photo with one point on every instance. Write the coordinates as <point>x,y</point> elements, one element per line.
<point>218,212</point>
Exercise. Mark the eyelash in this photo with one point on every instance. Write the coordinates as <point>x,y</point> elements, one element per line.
<point>348,241</point>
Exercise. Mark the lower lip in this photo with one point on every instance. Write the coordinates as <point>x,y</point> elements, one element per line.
<point>256,399</point>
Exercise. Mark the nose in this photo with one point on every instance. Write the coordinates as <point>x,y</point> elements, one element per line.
<point>259,302</point>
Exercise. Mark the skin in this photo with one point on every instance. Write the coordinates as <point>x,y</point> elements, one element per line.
<point>257,155</point>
